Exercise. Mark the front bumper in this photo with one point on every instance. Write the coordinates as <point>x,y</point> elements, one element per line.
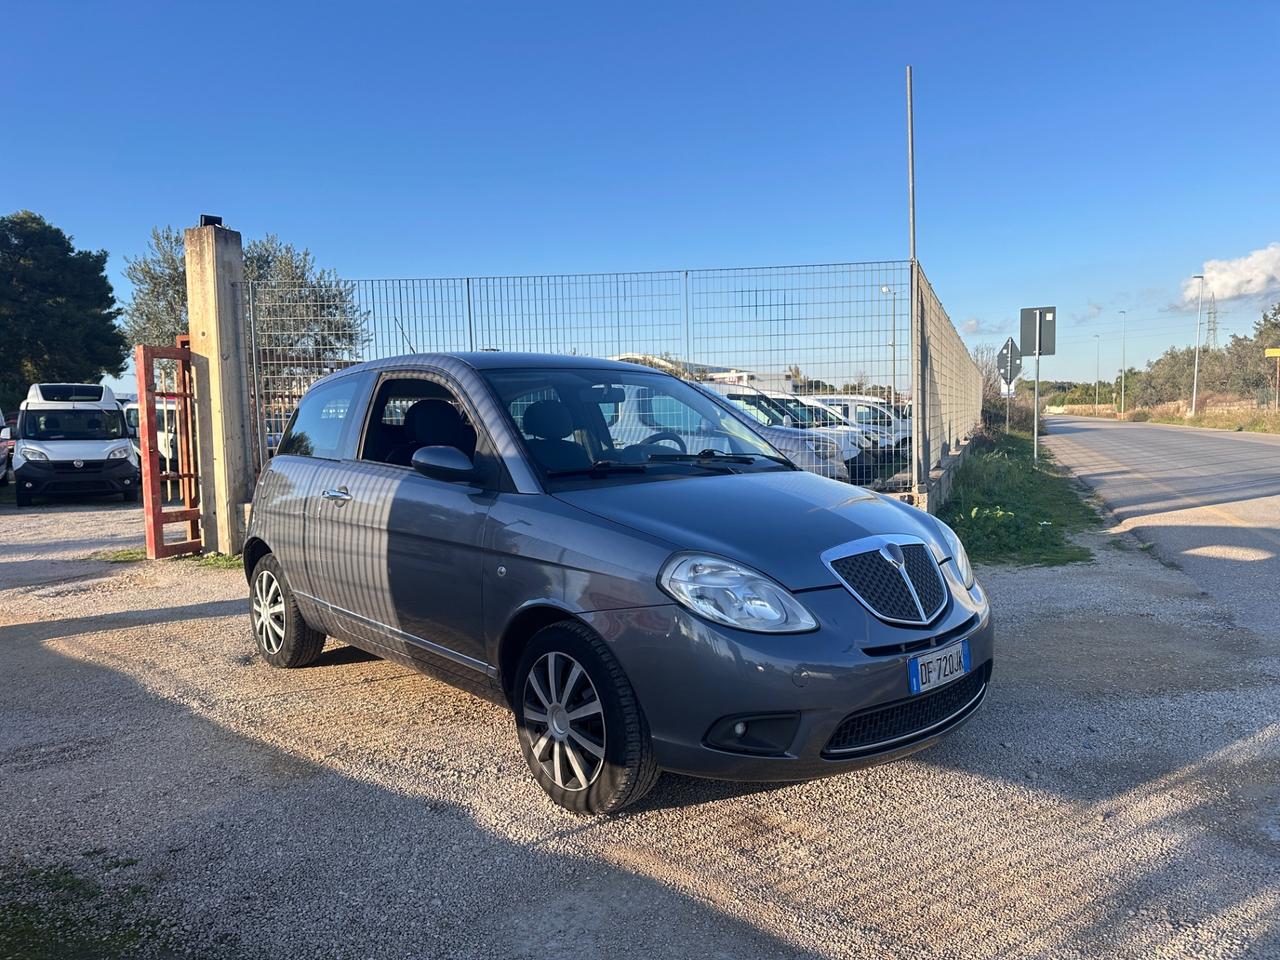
<point>690,675</point>
<point>58,477</point>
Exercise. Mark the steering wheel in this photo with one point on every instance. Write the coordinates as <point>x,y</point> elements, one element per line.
<point>666,435</point>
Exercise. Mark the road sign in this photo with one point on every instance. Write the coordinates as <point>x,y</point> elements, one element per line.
<point>1048,324</point>
<point>1009,361</point>
<point>1272,352</point>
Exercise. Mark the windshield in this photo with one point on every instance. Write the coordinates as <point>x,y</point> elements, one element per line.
<point>59,423</point>
<point>583,425</point>
<point>762,408</point>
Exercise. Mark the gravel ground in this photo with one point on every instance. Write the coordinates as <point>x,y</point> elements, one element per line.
<point>1119,795</point>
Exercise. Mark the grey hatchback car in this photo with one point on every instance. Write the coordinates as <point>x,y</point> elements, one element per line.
<point>615,555</point>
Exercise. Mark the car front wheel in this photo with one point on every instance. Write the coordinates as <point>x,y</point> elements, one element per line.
<point>284,639</point>
<point>580,725</point>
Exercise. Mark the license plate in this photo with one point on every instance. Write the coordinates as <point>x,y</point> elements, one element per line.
<point>938,667</point>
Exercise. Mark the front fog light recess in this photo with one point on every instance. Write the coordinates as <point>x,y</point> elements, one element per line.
<point>734,595</point>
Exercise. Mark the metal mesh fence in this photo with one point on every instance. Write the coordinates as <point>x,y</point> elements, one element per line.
<point>827,343</point>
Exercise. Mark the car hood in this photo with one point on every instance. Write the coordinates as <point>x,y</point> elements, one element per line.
<point>778,522</point>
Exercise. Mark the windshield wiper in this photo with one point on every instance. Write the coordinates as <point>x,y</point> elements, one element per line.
<point>600,468</point>
<point>717,456</point>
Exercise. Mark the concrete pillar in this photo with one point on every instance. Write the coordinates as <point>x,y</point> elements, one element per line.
<point>215,273</point>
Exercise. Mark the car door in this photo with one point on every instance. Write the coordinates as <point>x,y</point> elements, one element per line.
<point>399,553</point>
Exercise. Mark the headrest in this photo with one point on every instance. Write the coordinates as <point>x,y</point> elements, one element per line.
<point>548,420</point>
<point>435,421</point>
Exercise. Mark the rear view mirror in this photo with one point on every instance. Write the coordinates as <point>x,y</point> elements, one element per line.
<point>444,463</point>
<point>604,394</point>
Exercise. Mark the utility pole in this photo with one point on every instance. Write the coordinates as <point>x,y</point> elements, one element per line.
<point>1122,361</point>
<point>1195,376</point>
<point>1097,373</point>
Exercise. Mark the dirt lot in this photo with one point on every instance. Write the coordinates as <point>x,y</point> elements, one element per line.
<point>1118,796</point>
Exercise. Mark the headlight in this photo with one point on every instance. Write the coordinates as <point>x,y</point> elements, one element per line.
<point>824,449</point>
<point>119,453</point>
<point>31,453</point>
<point>736,596</point>
<point>958,555</point>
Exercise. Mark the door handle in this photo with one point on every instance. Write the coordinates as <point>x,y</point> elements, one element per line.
<point>338,495</point>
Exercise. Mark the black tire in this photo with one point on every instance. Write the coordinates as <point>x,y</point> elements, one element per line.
<point>131,495</point>
<point>286,640</point>
<point>627,769</point>
<point>22,496</point>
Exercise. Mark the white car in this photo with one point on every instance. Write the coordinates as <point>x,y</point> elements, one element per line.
<point>891,419</point>
<point>72,439</point>
<point>800,441</point>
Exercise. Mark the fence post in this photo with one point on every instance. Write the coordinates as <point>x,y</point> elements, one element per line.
<point>215,271</point>
<point>920,392</point>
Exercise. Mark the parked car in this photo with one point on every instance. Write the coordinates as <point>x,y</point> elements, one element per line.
<point>876,439</point>
<point>166,431</point>
<point>778,411</point>
<point>6,449</point>
<point>72,439</point>
<point>640,604</point>
<point>893,419</point>
<point>816,453</point>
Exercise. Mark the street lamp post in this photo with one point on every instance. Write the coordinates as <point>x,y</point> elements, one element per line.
<point>892,293</point>
<point>1195,376</point>
<point>1097,373</point>
<point>1122,362</point>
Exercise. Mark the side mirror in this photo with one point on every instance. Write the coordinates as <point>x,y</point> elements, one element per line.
<point>5,434</point>
<point>788,421</point>
<point>444,463</point>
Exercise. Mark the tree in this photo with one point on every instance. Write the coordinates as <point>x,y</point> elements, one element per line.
<point>301,313</point>
<point>57,310</point>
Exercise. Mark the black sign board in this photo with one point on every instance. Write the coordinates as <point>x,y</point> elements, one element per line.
<point>1009,362</point>
<point>1048,323</point>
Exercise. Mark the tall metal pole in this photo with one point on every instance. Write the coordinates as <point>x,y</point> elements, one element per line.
<point>911,169</point>
<point>1035,410</point>
<point>1122,361</point>
<point>1195,377</point>
<point>1097,373</point>
<point>1008,388</point>
<point>919,410</point>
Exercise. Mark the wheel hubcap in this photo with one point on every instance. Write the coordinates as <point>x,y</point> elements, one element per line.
<point>268,612</point>
<point>564,721</point>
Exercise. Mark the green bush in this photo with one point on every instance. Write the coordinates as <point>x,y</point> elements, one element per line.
<point>1008,509</point>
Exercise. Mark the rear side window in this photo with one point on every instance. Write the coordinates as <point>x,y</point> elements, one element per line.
<point>317,427</point>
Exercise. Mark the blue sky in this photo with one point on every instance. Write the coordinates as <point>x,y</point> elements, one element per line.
<point>1090,156</point>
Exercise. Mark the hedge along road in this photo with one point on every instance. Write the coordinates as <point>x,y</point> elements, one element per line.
<point>1208,500</point>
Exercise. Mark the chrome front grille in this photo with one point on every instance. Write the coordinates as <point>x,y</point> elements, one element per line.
<point>896,578</point>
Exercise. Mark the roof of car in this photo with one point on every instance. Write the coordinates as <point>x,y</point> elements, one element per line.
<point>501,360</point>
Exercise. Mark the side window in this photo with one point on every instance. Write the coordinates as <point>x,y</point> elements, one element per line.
<point>413,412</point>
<point>316,429</point>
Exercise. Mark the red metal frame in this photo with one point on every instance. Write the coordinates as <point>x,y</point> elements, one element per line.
<point>154,482</point>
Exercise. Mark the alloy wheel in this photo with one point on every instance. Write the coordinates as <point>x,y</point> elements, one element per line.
<point>268,612</point>
<point>564,721</point>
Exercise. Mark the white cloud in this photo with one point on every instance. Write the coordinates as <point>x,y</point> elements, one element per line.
<point>974,327</point>
<point>1248,276</point>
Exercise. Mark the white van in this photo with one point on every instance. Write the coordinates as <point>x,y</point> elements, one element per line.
<point>166,431</point>
<point>72,439</point>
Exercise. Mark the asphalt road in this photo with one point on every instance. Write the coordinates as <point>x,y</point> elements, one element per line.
<point>1208,500</point>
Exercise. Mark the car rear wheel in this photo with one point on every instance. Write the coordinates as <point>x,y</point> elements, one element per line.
<point>284,639</point>
<point>580,725</point>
